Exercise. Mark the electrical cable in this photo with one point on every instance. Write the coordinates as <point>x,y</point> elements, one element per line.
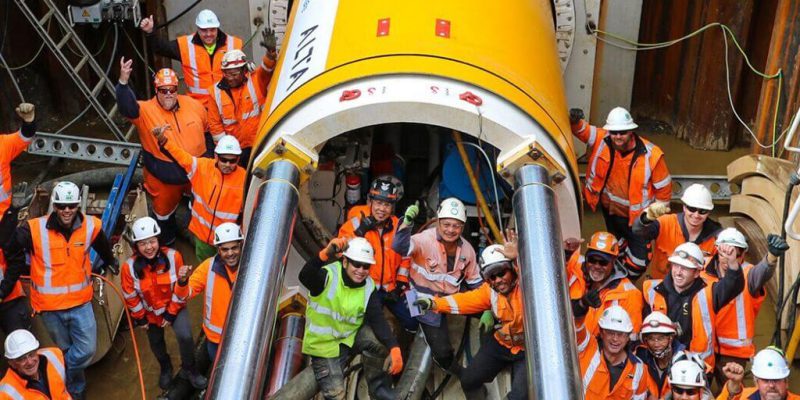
<point>255,32</point>
<point>180,14</point>
<point>476,188</point>
<point>725,31</point>
<point>494,181</point>
<point>136,50</point>
<point>11,76</point>
<point>35,56</point>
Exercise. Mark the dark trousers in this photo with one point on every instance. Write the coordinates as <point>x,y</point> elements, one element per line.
<point>618,226</point>
<point>183,332</point>
<point>490,360</point>
<point>15,314</point>
<point>438,338</point>
<point>397,306</point>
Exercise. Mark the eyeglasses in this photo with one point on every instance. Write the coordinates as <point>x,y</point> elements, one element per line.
<point>618,133</point>
<point>697,210</point>
<point>167,91</point>
<point>228,160</point>
<point>360,265</point>
<point>687,391</point>
<point>686,256</point>
<point>451,225</point>
<point>71,206</point>
<point>599,261</point>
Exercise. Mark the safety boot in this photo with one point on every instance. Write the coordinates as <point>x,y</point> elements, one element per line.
<point>165,377</point>
<point>378,381</point>
<point>196,379</point>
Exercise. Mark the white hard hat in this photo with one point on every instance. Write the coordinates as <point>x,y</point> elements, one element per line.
<point>228,145</point>
<point>452,208</point>
<point>19,343</point>
<point>688,255</point>
<point>769,364</point>
<point>492,258</point>
<point>687,373</point>
<point>206,19</point>
<point>733,237</point>
<point>698,196</point>
<point>227,232</point>
<point>658,322</point>
<point>615,318</point>
<point>619,119</point>
<point>145,228</point>
<point>66,193</point>
<point>360,250</point>
<point>234,59</point>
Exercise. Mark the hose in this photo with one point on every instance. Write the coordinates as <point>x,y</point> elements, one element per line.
<point>476,188</point>
<point>794,180</point>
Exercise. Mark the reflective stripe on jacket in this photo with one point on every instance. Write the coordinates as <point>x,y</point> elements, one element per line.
<point>507,311</point>
<point>152,295</point>
<point>649,178</point>
<point>736,321</point>
<point>60,268</point>
<point>216,198</point>
<point>198,71</point>
<point>703,317</point>
<point>14,387</point>
<point>334,316</point>
<point>670,236</point>
<point>11,145</point>
<point>215,278</point>
<point>387,269</point>
<point>429,265</point>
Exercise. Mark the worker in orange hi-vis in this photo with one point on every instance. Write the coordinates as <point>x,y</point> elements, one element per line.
<point>200,53</point>
<point>33,372</point>
<point>237,99</point>
<point>164,179</point>
<point>771,373</point>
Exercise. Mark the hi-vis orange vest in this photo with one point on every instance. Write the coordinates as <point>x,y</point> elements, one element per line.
<point>16,292</point>
<point>633,383</point>
<point>218,289</point>
<point>736,321</point>
<point>152,295</point>
<point>198,71</point>
<point>187,126</point>
<point>61,269</point>
<point>506,309</point>
<point>649,179</point>
<point>11,145</point>
<point>14,387</point>
<point>703,317</point>
<point>669,237</point>
<point>217,198</point>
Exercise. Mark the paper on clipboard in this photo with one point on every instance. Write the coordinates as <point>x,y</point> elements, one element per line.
<point>411,297</point>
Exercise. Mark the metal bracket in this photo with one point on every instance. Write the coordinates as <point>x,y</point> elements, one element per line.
<point>81,148</point>
<point>721,190</point>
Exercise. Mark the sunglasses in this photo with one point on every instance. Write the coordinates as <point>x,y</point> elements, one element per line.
<point>687,391</point>
<point>497,275</point>
<point>599,261</point>
<point>228,160</point>
<point>360,265</point>
<point>167,91</point>
<point>65,206</point>
<point>618,133</point>
<point>697,210</point>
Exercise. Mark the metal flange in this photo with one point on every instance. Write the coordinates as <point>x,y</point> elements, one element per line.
<point>81,148</point>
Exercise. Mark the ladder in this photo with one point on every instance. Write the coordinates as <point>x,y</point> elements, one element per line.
<point>70,37</point>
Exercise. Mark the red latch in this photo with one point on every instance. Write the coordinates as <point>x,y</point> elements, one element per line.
<point>443,28</point>
<point>383,27</point>
<point>350,95</point>
<point>471,98</point>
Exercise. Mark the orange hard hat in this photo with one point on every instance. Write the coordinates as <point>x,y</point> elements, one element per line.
<point>604,242</point>
<point>165,77</point>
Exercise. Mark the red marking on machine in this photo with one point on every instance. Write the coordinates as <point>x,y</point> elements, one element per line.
<point>471,98</point>
<point>348,95</point>
<point>443,28</point>
<point>383,27</point>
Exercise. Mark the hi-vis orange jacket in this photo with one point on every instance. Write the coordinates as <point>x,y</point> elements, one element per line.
<point>750,393</point>
<point>217,280</point>
<point>11,145</point>
<point>237,111</point>
<point>152,295</point>
<point>703,317</point>
<point>506,309</point>
<point>385,271</point>
<point>649,178</point>
<point>217,198</point>
<point>669,231</point>
<point>633,383</point>
<point>736,321</point>
<point>60,268</point>
<point>16,292</point>
<point>15,387</point>
<point>617,291</point>
<point>200,69</point>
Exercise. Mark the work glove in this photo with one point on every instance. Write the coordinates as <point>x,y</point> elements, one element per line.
<point>424,304</point>
<point>140,322</point>
<point>411,212</point>
<point>656,210</point>
<point>776,245</point>
<point>575,115</point>
<point>487,322</point>
<point>26,111</point>
<point>367,224</point>
<point>269,41</point>
<point>335,247</point>
<point>394,362</point>
<point>581,306</point>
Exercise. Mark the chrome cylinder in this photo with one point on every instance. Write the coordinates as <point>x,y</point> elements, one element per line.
<point>418,366</point>
<point>288,355</point>
<point>553,368</point>
<point>241,366</point>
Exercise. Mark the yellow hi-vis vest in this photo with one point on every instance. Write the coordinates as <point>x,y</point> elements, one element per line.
<point>335,315</point>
